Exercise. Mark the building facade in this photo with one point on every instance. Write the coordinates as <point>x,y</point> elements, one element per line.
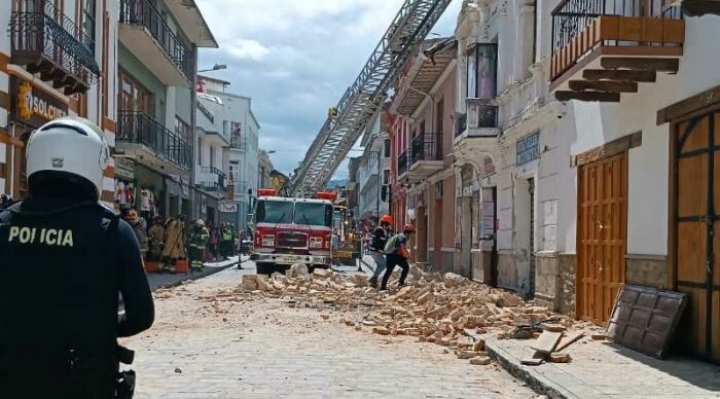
<point>373,170</point>
<point>265,168</point>
<point>213,138</point>
<point>424,105</point>
<point>42,79</point>
<point>240,158</point>
<point>157,66</point>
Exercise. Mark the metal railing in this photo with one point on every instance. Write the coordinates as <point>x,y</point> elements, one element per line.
<point>37,27</point>
<point>402,162</point>
<point>203,109</point>
<point>425,147</point>
<point>239,143</point>
<point>571,17</point>
<point>139,128</point>
<point>143,13</point>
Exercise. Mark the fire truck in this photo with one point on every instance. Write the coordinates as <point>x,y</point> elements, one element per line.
<point>291,230</point>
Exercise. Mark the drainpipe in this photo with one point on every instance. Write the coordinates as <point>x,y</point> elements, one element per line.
<point>193,127</point>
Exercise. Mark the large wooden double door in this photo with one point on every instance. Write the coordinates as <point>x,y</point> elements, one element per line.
<point>601,236</point>
<point>696,249</point>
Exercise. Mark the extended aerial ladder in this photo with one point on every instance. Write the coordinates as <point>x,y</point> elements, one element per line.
<point>346,122</point>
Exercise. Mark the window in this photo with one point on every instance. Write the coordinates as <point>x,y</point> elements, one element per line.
<point>212,156</point>
<point>314,214</point>
<point>133,96</point>
<point>199,149</point>
<point>482,71</point>
<point>89,12</point>
<point>274,212</point>
<point>386,149</point>
<point>386,176</point>
<point>182,130</point>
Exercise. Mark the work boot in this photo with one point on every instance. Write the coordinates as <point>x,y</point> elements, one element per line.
<point>373,282</point>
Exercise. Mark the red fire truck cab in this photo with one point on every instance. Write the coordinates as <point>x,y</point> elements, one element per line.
<point>292,230</point>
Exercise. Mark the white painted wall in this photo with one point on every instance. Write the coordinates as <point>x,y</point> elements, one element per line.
<point>595,124</point>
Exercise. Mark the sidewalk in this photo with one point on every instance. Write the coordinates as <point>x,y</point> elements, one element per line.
<point>601,369</point>
<point>158,280</point>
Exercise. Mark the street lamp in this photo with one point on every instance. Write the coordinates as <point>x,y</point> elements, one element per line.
<point>215,67</point>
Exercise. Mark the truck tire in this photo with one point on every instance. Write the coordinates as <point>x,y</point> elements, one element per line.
<point>265,268</point>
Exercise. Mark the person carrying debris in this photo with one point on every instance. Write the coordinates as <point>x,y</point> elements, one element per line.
<point>198,241</point>
<point>377,247</point>
<point>397,255</point>
<point>65,260</point>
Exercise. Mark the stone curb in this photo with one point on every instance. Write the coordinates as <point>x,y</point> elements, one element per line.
<point>534,379</point>
<point>193,277</point>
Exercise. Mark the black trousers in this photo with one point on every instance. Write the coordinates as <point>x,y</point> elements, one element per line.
<point>392,261</point>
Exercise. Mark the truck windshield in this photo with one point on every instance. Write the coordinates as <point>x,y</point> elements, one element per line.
<point>315,214</point>
<point>274,212</point>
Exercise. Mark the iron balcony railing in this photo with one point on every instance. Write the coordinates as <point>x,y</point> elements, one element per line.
<point>239,143</point>
<point>402,162</point>
<point>426,147</point>
<point>38,28</point>
<point>143,13</point>
<point>139,128</point>
<point>203,109</point>
<point>571,17</point>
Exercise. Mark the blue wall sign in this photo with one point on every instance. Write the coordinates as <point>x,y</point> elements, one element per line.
<point>527,149</point>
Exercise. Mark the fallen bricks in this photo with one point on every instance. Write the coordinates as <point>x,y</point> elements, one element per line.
<point>447,310</point>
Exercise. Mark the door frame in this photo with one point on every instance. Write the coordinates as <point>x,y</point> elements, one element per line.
<point>579,289</point>
<point>672,233</point>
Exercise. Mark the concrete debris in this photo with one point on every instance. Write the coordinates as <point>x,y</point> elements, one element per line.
<point>448,310</point>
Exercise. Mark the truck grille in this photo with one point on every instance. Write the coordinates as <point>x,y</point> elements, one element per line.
<point>292,240</point>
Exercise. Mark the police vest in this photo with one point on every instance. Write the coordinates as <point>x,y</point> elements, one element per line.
<point>58,291</point>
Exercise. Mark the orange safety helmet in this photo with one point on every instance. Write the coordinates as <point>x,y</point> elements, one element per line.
<point>409,228</point>
<point>386,219</point>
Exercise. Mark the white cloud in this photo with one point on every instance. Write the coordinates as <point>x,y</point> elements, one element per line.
<point>296,58</point>
<point>250,49</point>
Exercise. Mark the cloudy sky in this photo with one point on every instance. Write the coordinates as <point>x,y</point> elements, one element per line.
<point>296,58</point>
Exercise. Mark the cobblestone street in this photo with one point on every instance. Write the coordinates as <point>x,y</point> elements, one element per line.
<point>261,348</point>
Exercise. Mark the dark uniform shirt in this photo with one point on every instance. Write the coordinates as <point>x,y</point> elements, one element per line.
<point>379,238</point>
<point>62,267</point>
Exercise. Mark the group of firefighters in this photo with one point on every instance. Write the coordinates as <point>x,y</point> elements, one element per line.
<point>165,241</point>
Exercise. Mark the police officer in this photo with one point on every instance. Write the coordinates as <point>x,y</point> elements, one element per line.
<point>63,260</point>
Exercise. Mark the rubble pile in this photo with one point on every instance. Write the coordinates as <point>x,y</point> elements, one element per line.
<point>448,310</point>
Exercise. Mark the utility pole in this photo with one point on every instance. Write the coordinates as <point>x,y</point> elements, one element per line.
<point>379,193</point>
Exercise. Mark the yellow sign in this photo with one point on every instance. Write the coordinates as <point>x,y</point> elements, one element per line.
<point>37,107</point>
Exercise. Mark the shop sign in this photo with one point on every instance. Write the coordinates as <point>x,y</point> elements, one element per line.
<point>125,167</point>
<point>527,149</point>
<point>228,208</point>
<point>33,106</point>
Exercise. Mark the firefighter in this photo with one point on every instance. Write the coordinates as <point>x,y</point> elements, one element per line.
<point>198,241</point>
<point>377,247</point>
<point>174,248</point>
<point>65,258</point>
<point>398,254</point>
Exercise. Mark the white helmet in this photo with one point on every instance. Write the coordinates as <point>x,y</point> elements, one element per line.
<point>71,145</point>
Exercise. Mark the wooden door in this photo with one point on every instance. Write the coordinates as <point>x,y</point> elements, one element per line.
<point>601,236</point>
<point>697,246</point>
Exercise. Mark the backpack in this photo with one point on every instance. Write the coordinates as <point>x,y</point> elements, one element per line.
<point>391,244</point>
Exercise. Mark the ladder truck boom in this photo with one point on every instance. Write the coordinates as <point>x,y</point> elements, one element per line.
<point>365,97</point>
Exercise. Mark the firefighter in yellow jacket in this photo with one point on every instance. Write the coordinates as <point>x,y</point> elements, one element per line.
<point>174,245</point>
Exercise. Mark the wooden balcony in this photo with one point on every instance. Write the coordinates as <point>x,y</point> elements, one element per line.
<point>51,45</point>
<point>602,48</point>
